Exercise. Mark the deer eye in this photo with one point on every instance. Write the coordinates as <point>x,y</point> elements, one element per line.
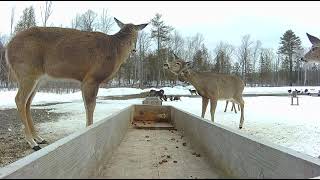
<point>314,48</point>
<point>178,63</point>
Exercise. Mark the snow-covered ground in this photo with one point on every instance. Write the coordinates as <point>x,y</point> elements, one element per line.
<point>266,117</point>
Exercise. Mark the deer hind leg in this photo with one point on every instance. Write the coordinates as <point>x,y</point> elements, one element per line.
<point>241,102</point>
<point>89,93</point>
<point>205,102</point>
<point>234,107</point>
<point>26,87</point>
<point>225,109</point>
<point>35,136</point>
<point>213,105</point>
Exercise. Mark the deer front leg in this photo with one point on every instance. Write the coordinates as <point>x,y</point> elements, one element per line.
<point>35,135</point>
<point>204,106</point>
<point>26,86</point>
<point>89,93</point>
<point>213,105</point>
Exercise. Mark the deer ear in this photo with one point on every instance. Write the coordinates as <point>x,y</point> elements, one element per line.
<point>142,26</point>
<point>313,40</point>
<point>120,24</point>
<point>175,56</point>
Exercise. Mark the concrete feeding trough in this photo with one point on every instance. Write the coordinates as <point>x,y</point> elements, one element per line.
<point>152,141</point>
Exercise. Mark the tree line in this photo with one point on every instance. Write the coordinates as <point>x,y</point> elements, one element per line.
<point>258,66</point>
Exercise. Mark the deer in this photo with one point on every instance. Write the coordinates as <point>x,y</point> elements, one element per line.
<point>193,91</point>
<point>210,86</point>
<point>313,55</point>
<point>42,53</point>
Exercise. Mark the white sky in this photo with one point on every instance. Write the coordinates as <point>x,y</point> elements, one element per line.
<point>218,21</point>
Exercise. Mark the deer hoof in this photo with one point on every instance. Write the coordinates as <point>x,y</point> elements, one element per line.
<point>36,148</point>
<point>43,142</point>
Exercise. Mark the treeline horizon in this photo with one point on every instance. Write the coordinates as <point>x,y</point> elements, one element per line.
<point>255,64</point>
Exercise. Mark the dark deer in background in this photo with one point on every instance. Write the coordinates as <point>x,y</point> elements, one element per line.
<point>88,57</point>
<point>193,91</point>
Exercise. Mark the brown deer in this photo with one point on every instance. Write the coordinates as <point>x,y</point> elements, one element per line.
<point>313,55</point>
<point>210,85</point>
<point>87,57</point>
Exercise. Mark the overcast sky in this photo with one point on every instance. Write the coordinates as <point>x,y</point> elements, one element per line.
<point>218,21</point>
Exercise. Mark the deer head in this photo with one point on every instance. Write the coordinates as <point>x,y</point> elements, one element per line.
<point>178,66</point>
<point>132,30</point>
<point>313,55</point>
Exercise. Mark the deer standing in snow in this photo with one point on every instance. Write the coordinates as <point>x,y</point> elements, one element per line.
<point>210,86</point>
<point>88,57</point>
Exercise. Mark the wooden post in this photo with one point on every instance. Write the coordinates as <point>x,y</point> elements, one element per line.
<point>294,95</point>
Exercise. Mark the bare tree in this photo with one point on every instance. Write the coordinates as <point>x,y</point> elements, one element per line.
<point>244,54</point>
<point>255,57</point>
<point>12,20</point>
<point>46,12</point>
<point>177,43</point>
<point>144,42</point>
<point>75,23</point>
<point>193,45</point>
<point>3,66</point>
<point>106,22</point>
<point>88,20</point>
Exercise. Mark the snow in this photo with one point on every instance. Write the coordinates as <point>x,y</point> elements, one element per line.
<point>269,118</point>
<point>277,90</point>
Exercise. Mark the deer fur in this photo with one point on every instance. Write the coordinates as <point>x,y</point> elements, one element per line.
<point>87,57</point>
<point>210,86</point>
<point>313,55</point>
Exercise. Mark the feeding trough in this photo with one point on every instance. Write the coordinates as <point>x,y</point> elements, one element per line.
<point>154,141</point>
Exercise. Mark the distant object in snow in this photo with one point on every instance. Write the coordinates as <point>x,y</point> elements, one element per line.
<point>175,98</point>
<point>193,91</point>
<point>160,94</point>
<point>294,95</point>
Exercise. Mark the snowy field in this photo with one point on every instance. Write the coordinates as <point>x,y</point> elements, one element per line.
<point>268,118</point>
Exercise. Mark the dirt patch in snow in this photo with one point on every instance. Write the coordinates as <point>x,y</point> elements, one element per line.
<point>13,146</point>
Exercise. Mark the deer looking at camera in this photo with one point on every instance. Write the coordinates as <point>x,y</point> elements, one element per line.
<point>88,57</point>
<point>210,86</point>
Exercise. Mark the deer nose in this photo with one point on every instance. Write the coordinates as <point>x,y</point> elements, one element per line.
<point>134,50</point>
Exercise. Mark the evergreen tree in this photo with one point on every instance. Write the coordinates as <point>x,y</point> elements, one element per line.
<point>160,32</point>
<point>27,20</point>
<point>290,45</point>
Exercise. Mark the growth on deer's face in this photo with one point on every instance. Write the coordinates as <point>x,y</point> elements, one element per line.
<point>313,55</point>
<point>210,86</point>
<point>88,57</point>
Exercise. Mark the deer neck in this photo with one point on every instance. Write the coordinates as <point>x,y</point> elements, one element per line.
<point>193,78</point>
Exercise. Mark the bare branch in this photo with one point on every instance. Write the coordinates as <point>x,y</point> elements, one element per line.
<point>47,12</point>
